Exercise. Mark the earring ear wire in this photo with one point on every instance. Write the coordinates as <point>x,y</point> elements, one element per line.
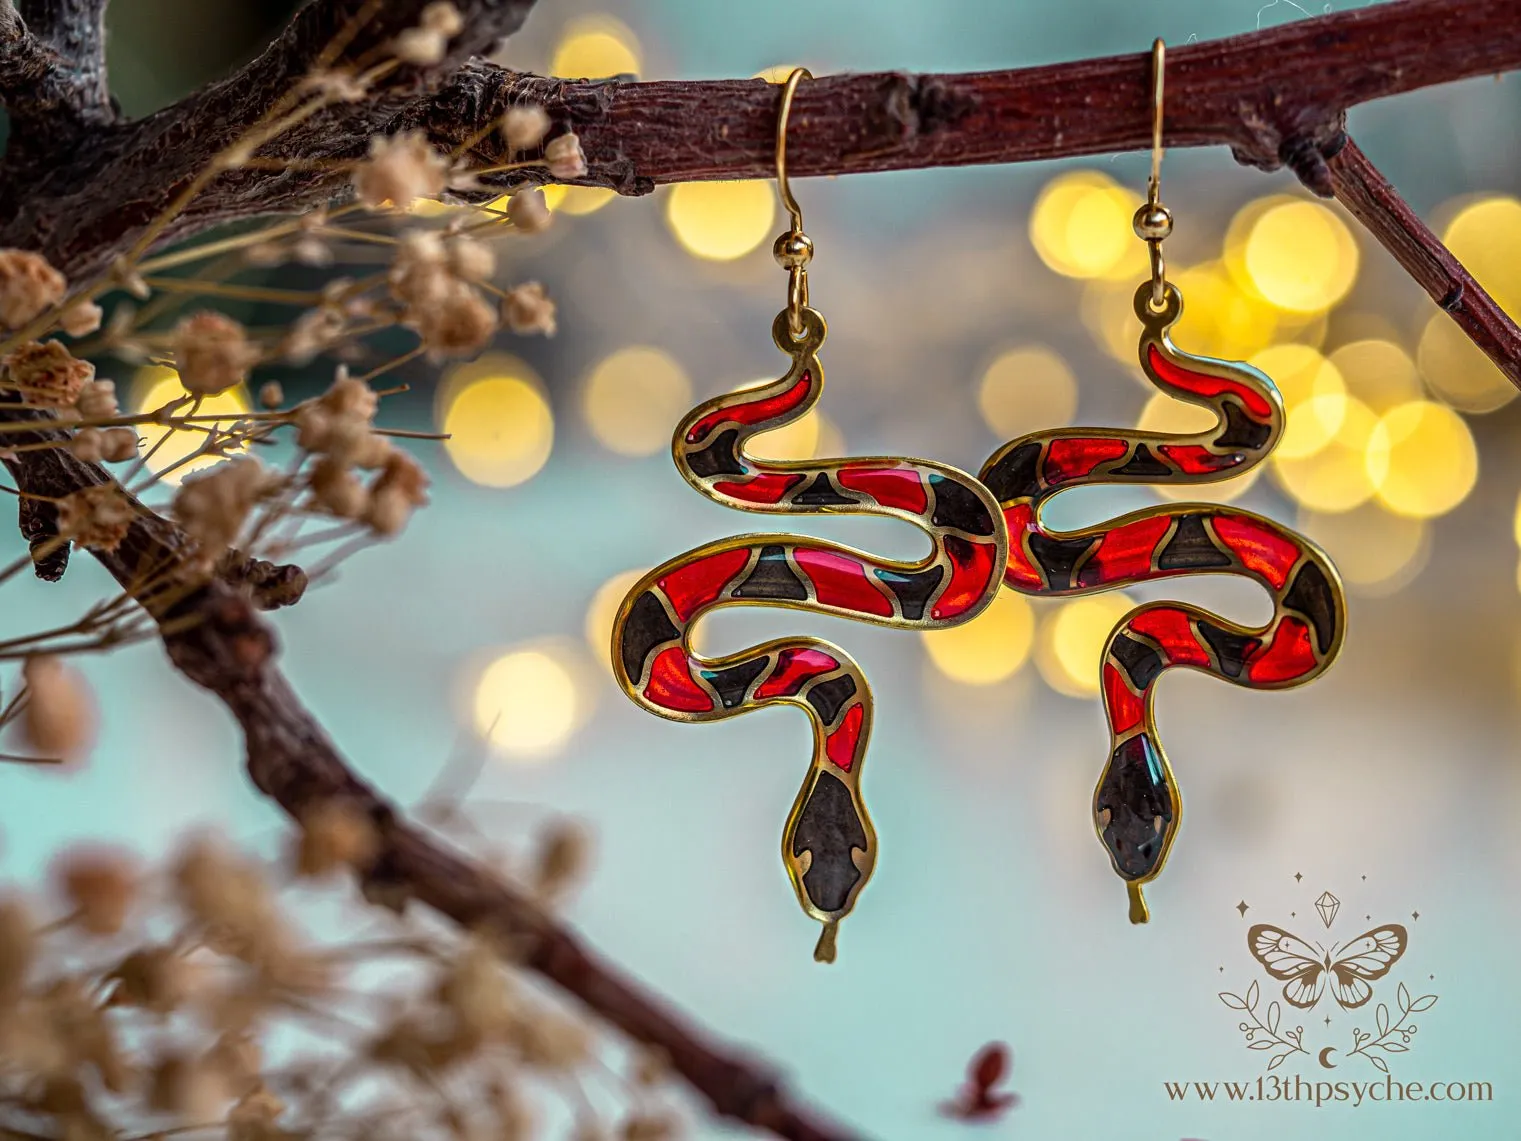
<point>1153,221</point>
<point>794,249</point>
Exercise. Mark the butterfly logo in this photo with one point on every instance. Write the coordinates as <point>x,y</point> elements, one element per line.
<point>1349,967</point>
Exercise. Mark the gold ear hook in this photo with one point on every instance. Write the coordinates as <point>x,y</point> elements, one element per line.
<point>794,249</point>
<point>1153,221</point>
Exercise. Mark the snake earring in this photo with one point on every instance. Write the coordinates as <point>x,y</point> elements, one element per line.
<point>829,846</point>
<point>1136,806</point>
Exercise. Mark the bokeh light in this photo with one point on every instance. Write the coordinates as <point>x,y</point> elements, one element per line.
<point>1107,313</point>
<point>1300,256</point>
<point>500,426</point>
<point>989,648</point>
<point>1486,237</point>
<point>720,221</point>
<point>1376,552</point>
<point>1333,478</point>
<point>1027,389</point>
<point>603,608</point>
<point>1457,371</point>
<point>1314,396</point>
<point>527,702</point>
<point>1422,460</point>
<point>153,386</point>
<point>1378,372</point>
<point>576,199</point>
<point>595,48</point>
<point>1070,645</point>
<point>1220,319</point>
<point>1081,227</point>
<point>632,399</point>
<point>1173,417</point>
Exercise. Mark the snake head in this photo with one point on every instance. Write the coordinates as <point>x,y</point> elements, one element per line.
<point>829,848</point>
<point>1135,808</point>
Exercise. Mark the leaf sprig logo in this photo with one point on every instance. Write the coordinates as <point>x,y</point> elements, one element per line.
<point>1345,973</point>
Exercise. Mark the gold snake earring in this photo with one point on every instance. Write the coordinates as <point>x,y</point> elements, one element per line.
<point>1136,807</point>
<point>829,846</point>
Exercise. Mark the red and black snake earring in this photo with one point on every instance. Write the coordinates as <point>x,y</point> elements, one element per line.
<point>1136,807</point>
<point>829,846</point>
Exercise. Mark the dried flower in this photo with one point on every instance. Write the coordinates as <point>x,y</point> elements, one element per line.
<point>238,1057</point>
<point>528,309</point>
<point>561,859</point>
<point>212,353</point>
<point>59,717</point>
<point>335,835</point>
<point>81,318</point>
<point>100,885</point>
<point>648,1127</point>
<point>156,979</point>
<point>119,445</point>
<point>524,127</point>
<point>528,211</point>
<point>427,43</point>
<point>469,259</point>
<point>88,444</point>
<point>97,400</point>
<point>18,946</point>
<point>188,1088</point>
<point>96,517</point>
<point>399,489</point>
<point>314,332</point>
<point>337,490</point>
<point>271,395</point>
<point>399,169</point>
<point>550,1040</point>
<point>254,1117</point>
<point>47,373</point>
<point>476,992</point>
<point>212,506</point>
<point>565,158</point>
<point>458,324</point>
<point>28,287</point>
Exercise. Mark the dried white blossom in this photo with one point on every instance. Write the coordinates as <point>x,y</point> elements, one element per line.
<point>524,128</point>
<point>528,212</point>
<point>528,309</point>
<point>29,286</point>
<point>212,353</point>
<point>565,158</point>
<point>400,169</point>
<point>59,717</point>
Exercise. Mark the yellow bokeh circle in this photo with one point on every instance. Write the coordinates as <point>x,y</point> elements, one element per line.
<point>1070,645</point>
<point>154,386</point>
<point>1026,389</point>
<point>1081,227</point>
<point>1457,371</point>
<point>527,702</point>
<point>1375,551</point>
<point>1422,460</point>
<point>633,397</point>
<point>1333,478</point>
<point>1220,319</point>
<point>989,648</point>
<point>1314,396</point>
<point>1486,237</point>
<point>720,221</point>
<point>1378,372</point>
<point>1301,257</point>
<point>498,421</point>
<point>596,48</point>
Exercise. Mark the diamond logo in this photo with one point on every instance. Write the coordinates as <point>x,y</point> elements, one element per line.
<point>1327,905</point>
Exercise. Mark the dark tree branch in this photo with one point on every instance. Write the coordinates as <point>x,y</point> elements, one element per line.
<point>216,638</point>
<point>1367,194</point>
<point>52,72</point>
<point>76,31</point>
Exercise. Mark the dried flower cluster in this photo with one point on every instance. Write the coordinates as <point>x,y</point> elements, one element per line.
<point>187,999</point>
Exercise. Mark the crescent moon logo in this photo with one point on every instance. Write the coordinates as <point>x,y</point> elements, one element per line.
<point>1325,1056</point>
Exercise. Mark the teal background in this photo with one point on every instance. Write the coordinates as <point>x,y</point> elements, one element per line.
<point>992,914</point>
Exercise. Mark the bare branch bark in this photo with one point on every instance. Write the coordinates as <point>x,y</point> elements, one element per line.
<point>52,71</point>
<point>216,638</point>
<point>1377,205</point>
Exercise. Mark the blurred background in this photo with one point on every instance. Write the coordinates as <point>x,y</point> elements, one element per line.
<point>966,307</point>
